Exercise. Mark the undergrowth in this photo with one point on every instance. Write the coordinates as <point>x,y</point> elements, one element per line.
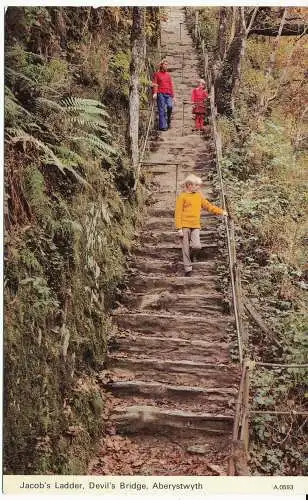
<point>265,178</point>
<point>70,216</point>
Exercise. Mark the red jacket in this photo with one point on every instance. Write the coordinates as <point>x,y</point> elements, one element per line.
<point>163,83</point>
<point>199,95</point>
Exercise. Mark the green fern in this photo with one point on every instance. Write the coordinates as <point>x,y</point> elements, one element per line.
<point>68,156</point>
<point>95,143</point>
<point>12,107</point>
<point>86,106</point>
<point>15,135</point>
<point>42,103</point>
<point>85,121</point>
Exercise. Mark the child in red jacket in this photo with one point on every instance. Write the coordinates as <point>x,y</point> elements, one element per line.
<point>198,97</point>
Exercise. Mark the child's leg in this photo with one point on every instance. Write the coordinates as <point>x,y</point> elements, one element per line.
<point>196,121</point>
<point>169,104</point>
<point>161,111</point>
<point>199,121</point>
<point>202,117</point>
<point>185,249</point>
<point>195,242</point>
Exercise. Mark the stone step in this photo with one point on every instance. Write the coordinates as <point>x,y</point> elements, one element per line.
<point>173,251</point>
<point>179,372</point>
<point>159,391</point>
<point>176,302</point>
<point>167,198</point>
<point>177,284</point>
<point>171,348</point>
<point>201,403</point>
<point>160,267</point>
<point>165,324</point>
<point>140,418</point>
<point>160,237</point>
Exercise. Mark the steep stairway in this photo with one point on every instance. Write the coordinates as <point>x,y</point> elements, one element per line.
<point>170,379</point>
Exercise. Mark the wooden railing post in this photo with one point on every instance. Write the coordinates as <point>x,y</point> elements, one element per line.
<point>244,436</point>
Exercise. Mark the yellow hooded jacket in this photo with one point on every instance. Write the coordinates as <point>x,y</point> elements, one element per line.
<point>188,210</point>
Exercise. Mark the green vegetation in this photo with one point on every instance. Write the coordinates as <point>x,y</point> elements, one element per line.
<point>70,218</point>
<point>265,173</point>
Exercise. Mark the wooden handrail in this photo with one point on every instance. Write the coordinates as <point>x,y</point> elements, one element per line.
<point>240,439</point>
<point>144,146</point>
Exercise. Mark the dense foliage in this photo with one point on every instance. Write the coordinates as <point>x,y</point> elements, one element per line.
<point>265,172</point>
<point>70,217</point>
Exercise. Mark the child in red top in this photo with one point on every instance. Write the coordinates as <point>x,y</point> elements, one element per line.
<point>198,97</point>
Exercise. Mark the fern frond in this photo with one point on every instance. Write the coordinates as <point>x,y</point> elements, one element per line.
<point>19,135</point>
<point>11,74</point>
<point>9,93</point>
<point>43,103</point>
<point>88,106</point>
<point>90,124</point>
<point>12,107</point>
<point>68,156</point>
<point>96,143</point>
<point>17,74</point>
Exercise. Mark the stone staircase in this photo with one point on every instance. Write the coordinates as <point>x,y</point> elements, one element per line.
<point>171,382</point>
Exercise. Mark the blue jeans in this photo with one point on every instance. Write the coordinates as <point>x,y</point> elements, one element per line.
<point>164,104</point>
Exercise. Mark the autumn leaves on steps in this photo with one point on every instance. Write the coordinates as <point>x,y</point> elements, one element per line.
<point>170,379</point>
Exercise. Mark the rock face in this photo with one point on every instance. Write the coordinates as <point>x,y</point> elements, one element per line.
<point>172,384</point>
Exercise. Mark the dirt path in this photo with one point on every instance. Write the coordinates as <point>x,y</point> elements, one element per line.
<point>171,381</point>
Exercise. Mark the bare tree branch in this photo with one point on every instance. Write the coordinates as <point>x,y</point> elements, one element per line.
<point>252,20</point>
<point>289,29</point>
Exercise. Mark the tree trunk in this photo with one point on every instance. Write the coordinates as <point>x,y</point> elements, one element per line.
<point>230,72</point>
<point>239,55</point>
<point>221,43</point>
<point>265,99</point>
<point>227,83</point>
<point>137,62</point>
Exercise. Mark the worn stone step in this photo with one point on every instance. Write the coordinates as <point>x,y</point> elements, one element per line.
<point>136,418</point>
<point>169,268</point>
<point>167,189</point>
<point>177,284</point>
<point>172,392</point>
<point>196,402</point>
<point>207,304</point>
<point>171,251</point>
<point>162,199</point>
<point>173,325</point>
<point>160,236</point>
<point>171,348</point>
<point>182,372</point>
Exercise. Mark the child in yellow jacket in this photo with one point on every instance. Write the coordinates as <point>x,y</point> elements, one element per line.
<point>187,217</point>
